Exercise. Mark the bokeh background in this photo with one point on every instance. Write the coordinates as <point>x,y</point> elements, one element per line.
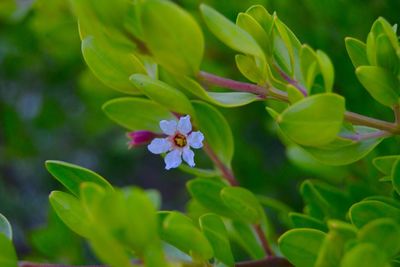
<point>50,108</point>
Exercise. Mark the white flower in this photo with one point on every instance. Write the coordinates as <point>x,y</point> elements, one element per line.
<point>178,142</point>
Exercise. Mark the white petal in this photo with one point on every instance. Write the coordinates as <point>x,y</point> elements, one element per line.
<point>159,145</point>
<point>173,159</point>
<point>188,156</point>
<point>184,125</point>
<point>195,139</point>
<point>168,127</point>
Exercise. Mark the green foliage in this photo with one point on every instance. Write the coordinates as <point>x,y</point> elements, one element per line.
<point>229,33</point>
<point>155,48</point>
<point>148,113</point>
<point>292,245</point>
<point>324,112</point>
<point>8,257</point>
<point>174,39</point>
<point>72,176</point>
<point>215,231</point>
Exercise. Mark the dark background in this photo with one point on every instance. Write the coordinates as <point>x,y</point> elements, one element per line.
<point>50,108</point>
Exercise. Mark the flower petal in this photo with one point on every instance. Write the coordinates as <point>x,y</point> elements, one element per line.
<point>184,125</point>
<point>188,156</point>
<point>173,159</point>
<point>195,139</point>
<point>168,127</point>
<point>159,145</point>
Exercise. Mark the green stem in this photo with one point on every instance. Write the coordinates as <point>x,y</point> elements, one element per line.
<point>271,92</point>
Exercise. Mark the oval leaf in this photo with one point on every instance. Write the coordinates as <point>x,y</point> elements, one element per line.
<point>137,113</point>
<point>173,37</point>
<point>163,94</point>
<point>229,33</point>
<point>72,176</point>
<point>380,83</point>
<point>301,246</point>
<point>242,202</point>
<point>216,130</point>
<point>214,229</point>
<point>313,121</point>
<point>71,212</point>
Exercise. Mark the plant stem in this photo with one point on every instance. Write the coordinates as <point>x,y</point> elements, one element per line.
<point>226,171</point>
<point>291,81</point>
<point>360,137</point>
<point>263,240</point>
<point>354,118</point>
<point>267,262</point>
<point>232,84</point>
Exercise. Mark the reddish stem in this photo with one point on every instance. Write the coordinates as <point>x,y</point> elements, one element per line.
<point>263,240</point>
<point>226,172</point>
<point>232,84</point>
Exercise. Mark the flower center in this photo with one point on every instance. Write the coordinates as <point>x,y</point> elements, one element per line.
<point>180,140</point>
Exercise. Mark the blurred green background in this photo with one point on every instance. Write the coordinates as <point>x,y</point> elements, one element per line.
<point>50,108</point>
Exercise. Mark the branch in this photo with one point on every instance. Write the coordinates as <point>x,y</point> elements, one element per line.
<point>271,92</point>
<point>267,262</point>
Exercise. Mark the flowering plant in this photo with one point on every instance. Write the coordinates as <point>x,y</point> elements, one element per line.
<point>154,48</point>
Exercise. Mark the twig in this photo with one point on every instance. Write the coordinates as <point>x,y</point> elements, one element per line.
<point>354,118</point>
<point>267,262</point>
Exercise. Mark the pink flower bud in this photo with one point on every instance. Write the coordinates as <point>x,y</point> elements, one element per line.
<point>138,138</point>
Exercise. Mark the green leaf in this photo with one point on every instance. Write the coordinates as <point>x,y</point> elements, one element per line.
<point>142,225</point>
<point>216,131</point>
<point>111,65</point>
<point>207,193</point>
<point>384,233</point>
<point>137,113</point>
<point>265,20</point>
<point>179,231</point>
<point>244,235</point>
<point>288,47</point>
<point>242,202</point>
<point>248,67</point>
<point>108,249</point>
<point>385,164</point>
<point>342,153</point>
<point>386,56</point>
<point>309,65</point>
<point>251,26</point>
<point>396,176</point>
<point>364,255</point>
<point>162,93</point>
<point>380,83</point>
<point>229,33</point>
<point>301,246</point>
<point>333,246</point>
<point>214,229</point>
<point>71,212</point>
<point>317,205</point>
<point>173,37</point>
<point>72,176</point>
<point>327,70</point>
<point>357,52</point>
<point>368,210</point>
<point>8,257</point>
<point>5,227</point>
<point>313,121</point>
<point>223,99</point>
<point>294,94</point>
<point>300,220</point>
<point>205,173</point>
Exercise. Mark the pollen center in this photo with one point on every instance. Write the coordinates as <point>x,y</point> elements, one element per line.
<point>180,140</point>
